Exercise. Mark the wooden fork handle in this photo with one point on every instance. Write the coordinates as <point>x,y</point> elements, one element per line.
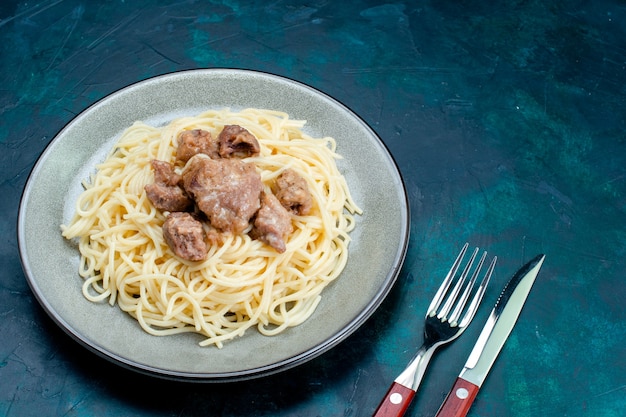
<point>396,401</point>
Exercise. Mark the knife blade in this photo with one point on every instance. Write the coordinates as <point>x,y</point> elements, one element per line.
<point>495,332</point>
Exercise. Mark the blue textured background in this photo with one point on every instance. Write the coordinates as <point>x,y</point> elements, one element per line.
<point>507,120</point>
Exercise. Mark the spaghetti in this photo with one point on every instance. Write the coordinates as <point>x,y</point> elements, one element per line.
<point>243,282</point>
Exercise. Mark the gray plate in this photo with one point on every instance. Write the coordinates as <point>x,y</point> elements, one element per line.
<point>50,262</point>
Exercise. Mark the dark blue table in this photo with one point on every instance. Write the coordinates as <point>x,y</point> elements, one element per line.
<point>508,123</point>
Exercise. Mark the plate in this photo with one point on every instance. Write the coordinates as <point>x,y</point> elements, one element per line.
<point>50,262</point>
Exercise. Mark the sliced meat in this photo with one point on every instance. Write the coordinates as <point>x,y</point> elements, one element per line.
<point>293,192</point>
<point>237,142</point>
<point>226,190</point>
<point>272,224</point>
<point>193,142</point>
<point>185,236</point>
<point>165,193</point>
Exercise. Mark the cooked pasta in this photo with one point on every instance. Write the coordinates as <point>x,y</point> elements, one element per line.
<point>243,282</point>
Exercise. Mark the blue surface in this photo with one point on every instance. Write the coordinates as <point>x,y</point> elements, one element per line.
<point>507,121</point>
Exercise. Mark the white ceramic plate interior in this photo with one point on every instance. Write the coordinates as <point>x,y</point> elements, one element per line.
<point>50,262</point>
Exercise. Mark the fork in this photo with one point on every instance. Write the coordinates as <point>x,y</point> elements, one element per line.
<point>443,324</point>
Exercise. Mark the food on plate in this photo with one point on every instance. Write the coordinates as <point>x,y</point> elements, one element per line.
<point>214,224</point>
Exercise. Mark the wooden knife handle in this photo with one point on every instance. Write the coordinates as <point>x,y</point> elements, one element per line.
<point>459,399</point>
<point>396,401</point>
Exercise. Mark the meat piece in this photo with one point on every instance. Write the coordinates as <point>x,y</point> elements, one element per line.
<point>293,192</point>
<point>185,236</point>
<point>193,142</point>
<point>167,198</point>
<point>164,173</point>
<point>165,193</point>
<point>237,142</point>
<point>213,236</point>
<point>226,190</point>
<point>272,224</point>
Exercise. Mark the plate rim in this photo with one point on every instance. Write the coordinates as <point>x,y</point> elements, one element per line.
<point>287,363</point>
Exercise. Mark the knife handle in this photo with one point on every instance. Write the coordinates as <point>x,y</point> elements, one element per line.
<point>459,399</point>
<point>396,401</point>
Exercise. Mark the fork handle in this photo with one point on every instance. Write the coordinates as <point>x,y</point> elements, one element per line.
<point>396,401</point>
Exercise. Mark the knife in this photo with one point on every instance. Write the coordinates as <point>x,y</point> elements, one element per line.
<point>491,339</point>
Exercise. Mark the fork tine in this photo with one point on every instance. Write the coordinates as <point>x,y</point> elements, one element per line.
<point>457,288</point>
<point>460,304</point>
<point>443,289</point>
<point>471,310</point>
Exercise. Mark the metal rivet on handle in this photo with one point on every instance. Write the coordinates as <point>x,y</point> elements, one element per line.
<point>462,393</point>
<point>395,398</point>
